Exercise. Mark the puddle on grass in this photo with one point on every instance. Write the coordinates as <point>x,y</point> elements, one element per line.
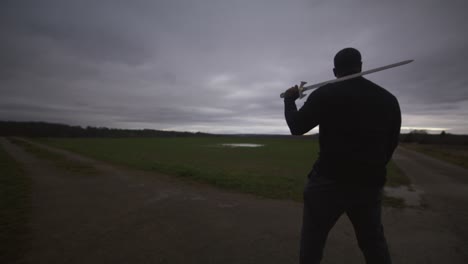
<point>410,194</point>
<point>241,145</point>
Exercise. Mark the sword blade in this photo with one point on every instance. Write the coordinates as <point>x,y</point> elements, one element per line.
<point>344,78</point>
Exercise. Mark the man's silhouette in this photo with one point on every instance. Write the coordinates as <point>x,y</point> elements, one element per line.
<point>359,128</point>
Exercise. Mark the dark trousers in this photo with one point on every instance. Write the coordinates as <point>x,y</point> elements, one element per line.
<point>324,204</point>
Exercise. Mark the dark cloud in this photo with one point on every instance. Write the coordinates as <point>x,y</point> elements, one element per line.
<point>219,66</point>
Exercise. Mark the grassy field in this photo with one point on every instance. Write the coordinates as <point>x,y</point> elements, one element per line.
<point>15,208</point>
<point>454,154</point>
<point>58,160</point>
<point>276,170</point>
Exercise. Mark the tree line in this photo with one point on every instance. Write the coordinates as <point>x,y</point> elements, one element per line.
<point>44,129</point>
<point>423,137</point>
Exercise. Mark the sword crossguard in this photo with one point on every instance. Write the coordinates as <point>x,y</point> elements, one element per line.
<point>301,89</point>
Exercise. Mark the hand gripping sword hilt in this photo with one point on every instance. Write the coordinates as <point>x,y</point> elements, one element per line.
<point>301,90</point>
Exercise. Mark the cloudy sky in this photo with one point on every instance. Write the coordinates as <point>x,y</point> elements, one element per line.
<point>219,66</point>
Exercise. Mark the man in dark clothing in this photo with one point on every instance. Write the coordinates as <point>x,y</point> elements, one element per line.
<point>359,128</point>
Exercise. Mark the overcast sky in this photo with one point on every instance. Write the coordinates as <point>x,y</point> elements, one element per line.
<point>219,66</point>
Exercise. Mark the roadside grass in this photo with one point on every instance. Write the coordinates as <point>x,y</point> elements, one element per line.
<point>395,176</point>
<point>15,210</point>
<point>455,154</point>
<point>58,160</point>
<point>276,170</point>
<point>395,202</point>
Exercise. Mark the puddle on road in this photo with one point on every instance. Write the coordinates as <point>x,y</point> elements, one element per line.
<point>410,194</point>
<point>227,205</point>
<point>242,145</point>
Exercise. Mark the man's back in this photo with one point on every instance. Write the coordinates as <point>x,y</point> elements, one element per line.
<point>359,129</point>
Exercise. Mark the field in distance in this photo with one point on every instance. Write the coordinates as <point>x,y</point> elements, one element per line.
<point>455,154</point>
<point>275,169</point>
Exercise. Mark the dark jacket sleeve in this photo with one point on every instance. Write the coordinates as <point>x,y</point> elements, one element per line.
<point>395,130</point>
<point>308,117</point>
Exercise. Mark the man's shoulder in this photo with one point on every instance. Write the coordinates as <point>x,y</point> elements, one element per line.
<point>320,92</point>
<point>353,84</point>
<point>381,89</point>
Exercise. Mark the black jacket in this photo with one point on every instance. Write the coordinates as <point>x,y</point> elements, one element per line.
<point>359,129</point>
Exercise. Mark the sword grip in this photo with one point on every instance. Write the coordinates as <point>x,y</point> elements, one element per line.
<point>301,88</point>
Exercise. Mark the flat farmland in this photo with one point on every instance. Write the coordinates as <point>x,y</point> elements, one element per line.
<point>455,154</point>
<point>276,169</point>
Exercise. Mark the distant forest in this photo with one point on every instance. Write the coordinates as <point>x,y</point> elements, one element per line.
<point>423,137</point>
<point>43,129</point>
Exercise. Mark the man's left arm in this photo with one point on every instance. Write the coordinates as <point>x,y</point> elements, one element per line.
<point>395,129</point>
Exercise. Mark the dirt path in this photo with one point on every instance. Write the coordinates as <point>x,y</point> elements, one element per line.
<point>445,192</point>
<point>125,216</point>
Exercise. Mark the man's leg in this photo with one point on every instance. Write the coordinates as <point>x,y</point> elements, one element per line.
<point>365,215</point>
<point>321,211</point>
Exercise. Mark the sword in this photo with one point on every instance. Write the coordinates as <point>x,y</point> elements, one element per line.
<point>303,88</point>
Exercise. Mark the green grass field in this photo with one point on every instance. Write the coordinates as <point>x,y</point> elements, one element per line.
<point>457,155</point>
<point>276,170</point>
<point>15,208</point>
<point>58,160</point>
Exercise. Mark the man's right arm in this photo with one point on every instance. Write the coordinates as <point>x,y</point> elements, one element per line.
<point>308,117</point>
